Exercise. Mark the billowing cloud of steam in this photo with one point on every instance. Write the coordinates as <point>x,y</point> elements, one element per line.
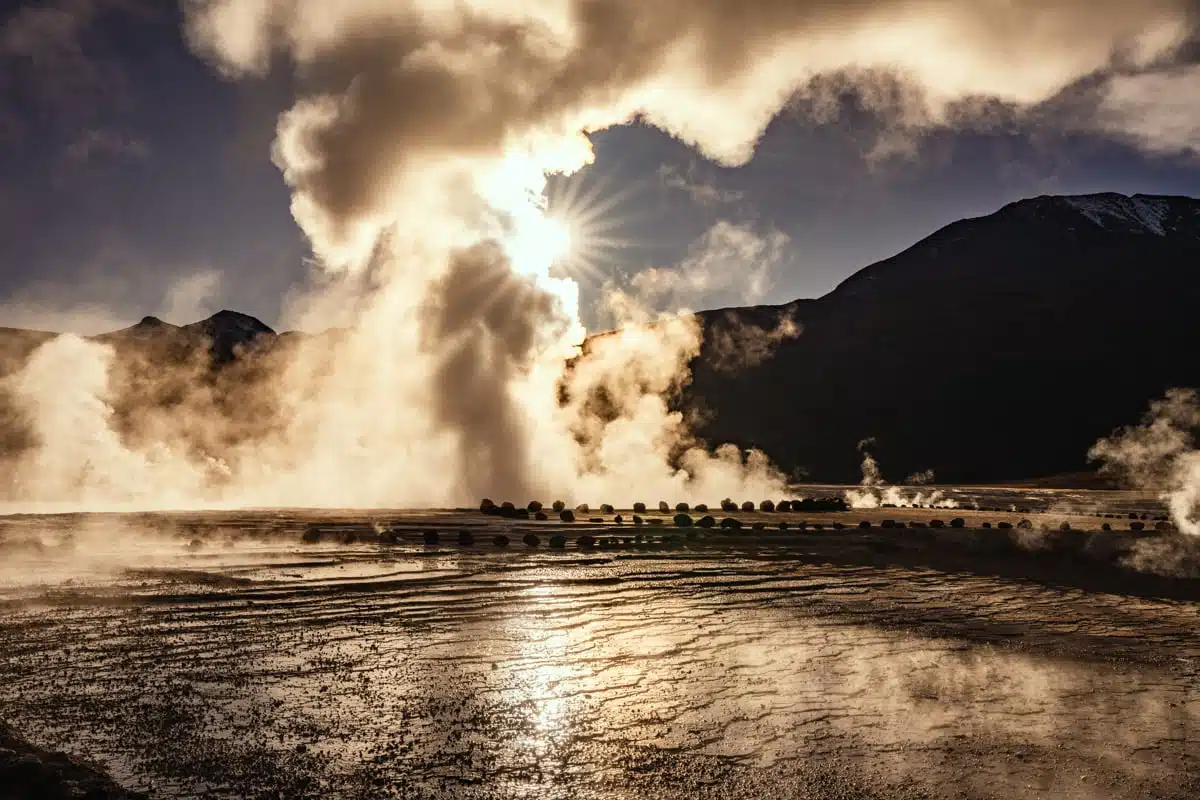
<point>1161,455</point>
<point>730,264</point>
<point>417,152</point>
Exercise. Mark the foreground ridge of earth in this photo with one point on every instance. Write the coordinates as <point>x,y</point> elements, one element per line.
<point>28,772</point>
<point>235,654</point>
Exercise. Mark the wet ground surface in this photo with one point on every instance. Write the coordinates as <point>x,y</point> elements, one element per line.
<point>220,655</point>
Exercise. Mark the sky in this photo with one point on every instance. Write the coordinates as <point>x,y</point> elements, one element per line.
<point>136,179</point>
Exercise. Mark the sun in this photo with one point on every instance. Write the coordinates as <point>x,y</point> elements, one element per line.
<point>553,239</point>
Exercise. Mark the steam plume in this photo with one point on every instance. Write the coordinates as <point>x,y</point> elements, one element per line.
<point>1160,455</point>
<point>417,152</point>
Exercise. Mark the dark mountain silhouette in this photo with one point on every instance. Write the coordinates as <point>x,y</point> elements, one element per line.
<point>998,348</point>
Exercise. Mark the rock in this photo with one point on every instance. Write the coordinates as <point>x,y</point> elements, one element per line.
<point>1025,525</point>
<point>1137,526</point>
<point>312,535</point>
<point>500,540</point>
<point>1164,527</point>
<point>507,506</point>
<point>1106,526</point>
<point>534,506</point>
<point>466,538</point>
<point>837,526</point>
<point>531,539</point>
<point>683,521</point>
<point>681,508</point>
<point>987,525</point>
<point>706,522</point>
<point>748,506</point>
<point>637,520</point>
<point>864,524</point>
<point>728,506</point>
<point>558,541</point>
<point>937,523</point>
<point>784,506</point>
<point>582,508</point>
<point>585,542</point>
<point>759,526</point>
<point>605,508</point>
<point>888,523</point>
<point>1065,527</point>
<point>566,515</point>
<point>701,508</point>
<point>958,522</point>
<point>731,524</point>
<point>596,520</point>
<point>431,537</point>
<point>487,506</point>
<point>618,519</point>
<point>783,526</point>
<point>639,508</point>
<point>1005,526</point>
<point>663,507</point>
<point>767,506</point>
<point>558,506</point>
<point>541,516</point>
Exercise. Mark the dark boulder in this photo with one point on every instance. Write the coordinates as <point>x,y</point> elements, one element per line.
<point>500,540</point>
<point>534,506</point>
<point>558,506</point>
<point>767,506</point>
<point>431,537</point>
<point>605,508</point>
<point>683,521</point>
<point>558,541</point>
<point>541,516</point>
<point>487,506</point>
<point>531,539</point>
<point>639,508</point>
<point>566,515</point>
<point>958,522</point>
<point>706,522</point>
<point>466,538</point>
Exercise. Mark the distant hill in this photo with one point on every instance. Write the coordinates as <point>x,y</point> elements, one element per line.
<point>997,349</point>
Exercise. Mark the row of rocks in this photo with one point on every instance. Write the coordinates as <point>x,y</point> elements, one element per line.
<point>535,509</point>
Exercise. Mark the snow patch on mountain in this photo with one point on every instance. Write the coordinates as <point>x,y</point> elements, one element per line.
<point>1140,212</point>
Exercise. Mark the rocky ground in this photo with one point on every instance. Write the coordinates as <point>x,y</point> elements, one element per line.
<point>277,654</point>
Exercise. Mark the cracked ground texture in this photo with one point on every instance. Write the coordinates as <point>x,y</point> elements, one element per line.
<point>218,655</point>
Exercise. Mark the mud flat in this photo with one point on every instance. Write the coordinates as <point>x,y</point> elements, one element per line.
<point>345,654</point>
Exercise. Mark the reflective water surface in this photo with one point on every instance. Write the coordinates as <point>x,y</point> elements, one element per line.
<point>221,656</point>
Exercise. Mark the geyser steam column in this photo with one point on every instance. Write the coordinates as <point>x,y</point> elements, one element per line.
<point>417,154</point>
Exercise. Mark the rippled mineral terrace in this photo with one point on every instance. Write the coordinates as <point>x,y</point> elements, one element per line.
<point>220,655</point>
